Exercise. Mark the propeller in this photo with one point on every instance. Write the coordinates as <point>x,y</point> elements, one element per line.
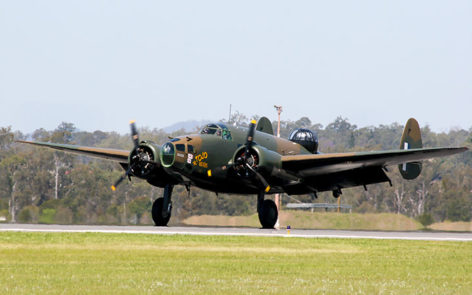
<point>247,161</point>
<point>249,140</point>
<point>134,133</point>
<point>261,178</point>
<point>122,177</point>
<point>135,138</point>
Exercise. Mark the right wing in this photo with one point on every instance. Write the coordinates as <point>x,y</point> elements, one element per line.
<point>323,172</point>
<point>320,164</point>
<point>116,155</point>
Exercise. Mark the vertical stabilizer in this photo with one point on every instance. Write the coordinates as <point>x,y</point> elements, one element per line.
<point>264,125</point>
<point>411,139</point>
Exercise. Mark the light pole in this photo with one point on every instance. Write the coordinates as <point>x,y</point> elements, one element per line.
<point>279,110</point>
<point>277,196</point>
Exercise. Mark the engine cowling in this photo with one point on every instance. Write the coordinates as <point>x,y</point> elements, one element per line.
<point>261,159</point>
<point>144,160</point>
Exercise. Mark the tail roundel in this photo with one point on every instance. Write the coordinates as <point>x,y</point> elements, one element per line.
<point>411,139</point>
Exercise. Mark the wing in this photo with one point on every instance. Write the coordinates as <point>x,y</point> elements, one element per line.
<point>120,156</point>
<point>339,170</point>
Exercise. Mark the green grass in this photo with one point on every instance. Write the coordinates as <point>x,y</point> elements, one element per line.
<point>78,263</point>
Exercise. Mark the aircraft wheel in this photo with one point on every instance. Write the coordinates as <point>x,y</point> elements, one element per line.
<point>157,215</point>
<point>268,214</point>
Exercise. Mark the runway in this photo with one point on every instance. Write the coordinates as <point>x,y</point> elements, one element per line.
<point>234,231</point>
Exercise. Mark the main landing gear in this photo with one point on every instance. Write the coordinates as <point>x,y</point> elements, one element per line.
<point>162,207</point>
<point>267,211</point>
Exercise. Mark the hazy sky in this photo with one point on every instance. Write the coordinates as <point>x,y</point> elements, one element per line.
<point>99,64</point>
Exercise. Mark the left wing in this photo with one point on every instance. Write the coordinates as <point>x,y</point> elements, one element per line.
<point>116,155</point>
<point>321,164</point>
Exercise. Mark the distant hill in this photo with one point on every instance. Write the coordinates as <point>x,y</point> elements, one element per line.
<point>190,125</point>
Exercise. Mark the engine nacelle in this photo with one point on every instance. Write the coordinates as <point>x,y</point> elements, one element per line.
<point>144,160</point>
<point>261,159</point>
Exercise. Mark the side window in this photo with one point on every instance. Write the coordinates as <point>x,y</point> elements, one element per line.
<point>190,148</point>
<point>180,147</point>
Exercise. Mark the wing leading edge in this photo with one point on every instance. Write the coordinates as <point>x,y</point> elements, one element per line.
<point>116,155</point>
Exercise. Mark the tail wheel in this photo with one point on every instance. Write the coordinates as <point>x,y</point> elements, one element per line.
<point>157,214</point>
<point>268,214</point>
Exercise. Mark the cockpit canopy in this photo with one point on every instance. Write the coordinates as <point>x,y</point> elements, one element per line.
<point>217,129</point>
<point>306,138</point>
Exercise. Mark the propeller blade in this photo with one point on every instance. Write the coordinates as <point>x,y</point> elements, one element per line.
<point>135,138</point>
<point>122,177</point>
<point>250,139</point>
<point>250,133</point>
<point>265,185</point>
<point>134,133</point>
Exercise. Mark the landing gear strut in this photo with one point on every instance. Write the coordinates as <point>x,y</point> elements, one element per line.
<point>162,207</point>
<point>267,211</point>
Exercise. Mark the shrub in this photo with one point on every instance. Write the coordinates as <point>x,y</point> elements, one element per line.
<point>29,214</point>
<point>47,216</point>
<point>425,219</point>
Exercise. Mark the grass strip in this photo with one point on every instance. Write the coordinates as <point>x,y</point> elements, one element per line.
<point>78,263</point>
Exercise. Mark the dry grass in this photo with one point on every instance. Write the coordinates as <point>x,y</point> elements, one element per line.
<point>316,220</point>
<point>222,220</point>
<point>452,226</point>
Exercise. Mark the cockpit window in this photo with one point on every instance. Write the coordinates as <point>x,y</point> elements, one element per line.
<point>219,130</point>
<point>209,129</point>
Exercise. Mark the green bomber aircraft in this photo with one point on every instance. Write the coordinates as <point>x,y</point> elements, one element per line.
<point>230,159</point>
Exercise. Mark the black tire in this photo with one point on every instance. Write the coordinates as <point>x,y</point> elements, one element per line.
<point>268,214</point>
<point>160,220</point>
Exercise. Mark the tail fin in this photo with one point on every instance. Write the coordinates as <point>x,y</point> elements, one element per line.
<point>264,125</point>
<point>411,139</point>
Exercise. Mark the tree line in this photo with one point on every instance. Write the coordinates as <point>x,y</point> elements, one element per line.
<point>45,186</point>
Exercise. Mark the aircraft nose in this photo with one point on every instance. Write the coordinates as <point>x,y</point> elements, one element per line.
<point>167,154</point>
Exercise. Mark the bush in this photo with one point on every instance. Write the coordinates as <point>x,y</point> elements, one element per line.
<point>63,216</point>
<point>139,206</point>
<point>29,214</point>
<point>425,219</point>
<point>47,216</point>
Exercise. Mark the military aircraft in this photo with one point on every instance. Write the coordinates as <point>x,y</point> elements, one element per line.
<point>230,159</point>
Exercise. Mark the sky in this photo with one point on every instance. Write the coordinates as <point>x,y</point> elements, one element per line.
<point>100,64</point>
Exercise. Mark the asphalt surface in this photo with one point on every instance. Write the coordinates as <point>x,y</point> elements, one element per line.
<point>235,231</point>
